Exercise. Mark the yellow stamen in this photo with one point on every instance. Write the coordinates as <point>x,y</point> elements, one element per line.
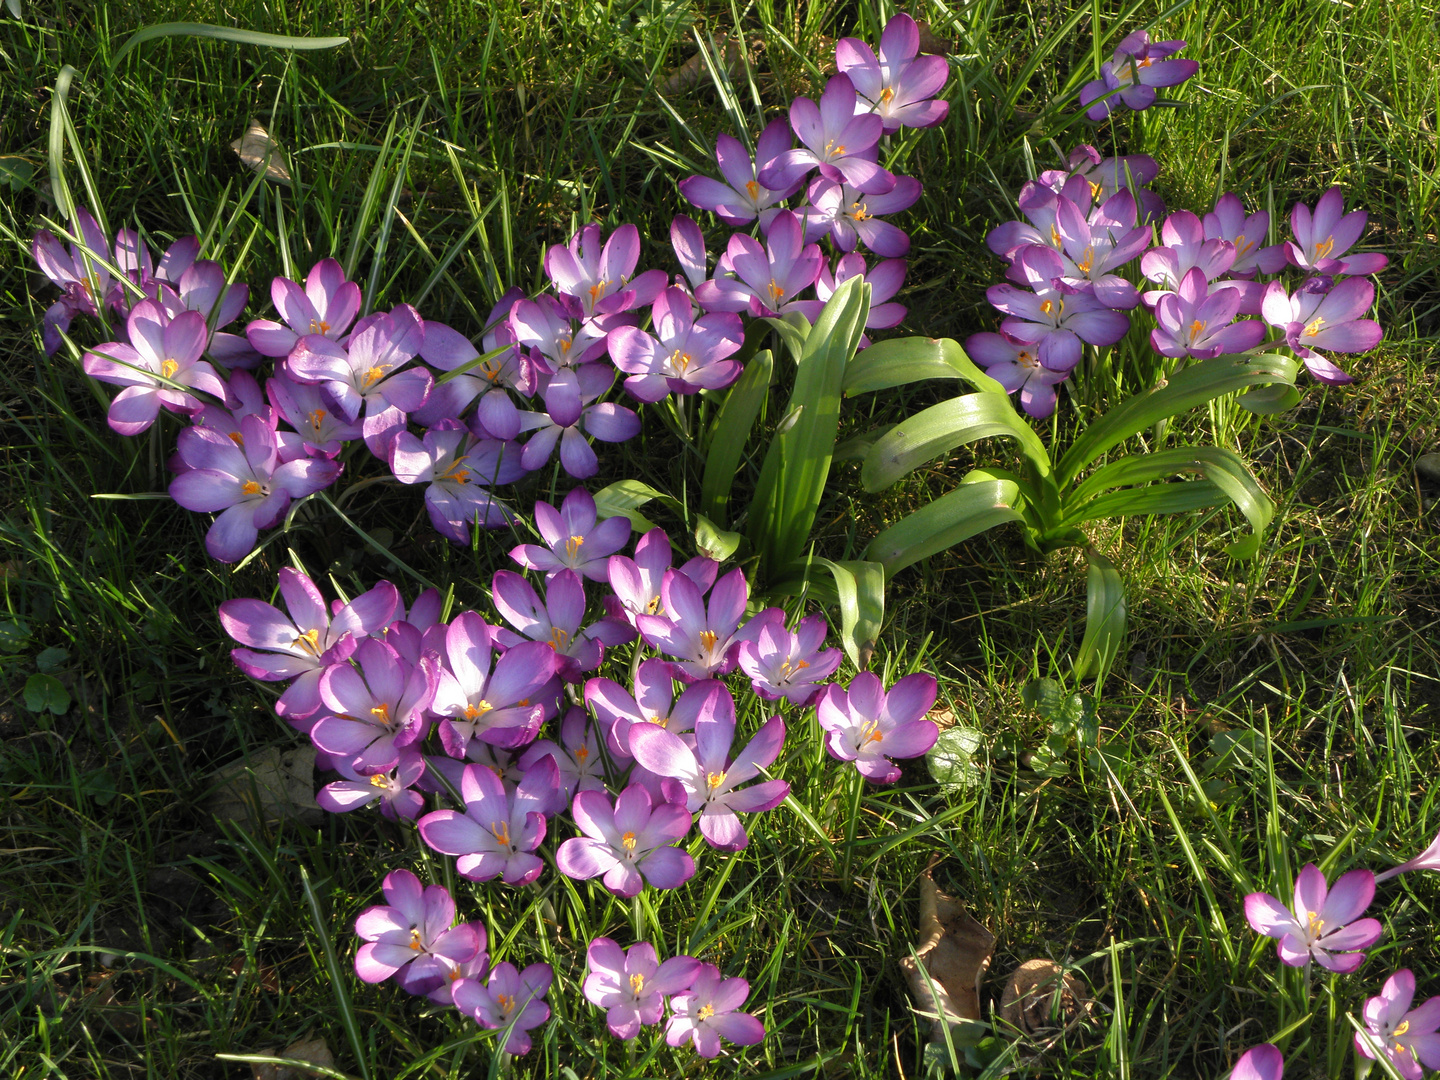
<point>379,780</point>
<point>1054,236</point>
<point>1404,1027</point>
<point>1027,359</point>
<point>652,605</point>
<point>857,211</point>
<point>491,371</point>
<point>572,546</point>
<point>457,472</point>
<point>559,639</point>
<point>715,779</point>
<point>317,418</point>
<point>501,831</point>
<point>1095,190</point>
<point>753,188</point>
<point>834,149</point>
<point>1047,306</point>
<point>776,293</point>
<point>169,367</point>
<point>479,709</point>
<point>505,1001</point>
<point>319,326</point>
<point>238,439</point>
<point>375,374</point>
<point>637,981</point>
<point>886,96</point>
<point>598,289</point>
<point>250,487</point>
<point>582,754</point>
<point>1242,245</point>
<point>1196,329</point>
<point>870,732</point>
<point>454,974</point>
<point>415,940</point>
<point>1323,249</point>
<point>381,713</point>
<point>680,361</point>
<point>706,1011</point>
<point>658,720</point>
<point>1315,925</point>
<point>1087,260</point>
<point>628,843</point>
<point>707,640</point>
<point>310,642</point>
<point>1314,327</point>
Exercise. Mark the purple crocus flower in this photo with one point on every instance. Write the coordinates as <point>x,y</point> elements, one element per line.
<point>706,1013</point>
<point>900,86</point>
<point>202,288</point>
<point>766,280</point>
<point>884,279</point>
<point>1049,319</point>
<point>132,259</point>
<point>1263,1062</point>
<point>477,967</point>
<point>688,243</point>
<point>849,216</point>
<point>1195,322</point>
<point>1229,222</point>
<point>1106,176</point>
<point>556,621</point>
<point>577,757</point>
<point>842,144</point>
<point>654,702</point>
<point>85,283</point>
<point>243,397</point>
<point>600,278</point>
<point>1138,66</point>
<point>785,665</point>
<point>247,486</point>
<point>1040,204</point>
<point>689,356</point>
<point>509,998</point>
<point>573,539</point>
<point>552,329</point>
<point>1092,249</point>
<point>303,644</point>
<point>499,831</point>
<point>632,985</point>
<point>458,469</point>
<point>370,371</point>
<point>742,198</point>
<point>1185,247</point>
<point>326,306</point>
<point>496,416</point>
<point>376,708</point>
<point>391,786</point>
<point>604,420</point>
<point>1322,237</point>
<point>1320,315</point>
<point>306,408</point>
<point>636,582</point>
<point>1429,859</point>
<point>413,935</point>
<point>631,843</point>
<point>707,772</point>
<point>1408,1038</point>
<point>701,638</point>
<point>159,345</point>
<point>1015,365</point>
<point>868,726</point>
<point>1324,924</point>
<point>499,701</point>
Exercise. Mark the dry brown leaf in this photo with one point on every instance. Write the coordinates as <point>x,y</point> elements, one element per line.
<point>930,43</point>
<point>725,51</point>
<point>283,780</point>
<point>309,1048</point>
<point>261,153</point>
<point>1029,1004</point>
<point>954,950</point>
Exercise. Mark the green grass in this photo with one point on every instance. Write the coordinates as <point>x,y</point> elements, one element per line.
<point>138,937</point>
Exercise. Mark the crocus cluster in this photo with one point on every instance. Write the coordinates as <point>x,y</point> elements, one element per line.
<point>1130,77</point>
<point>1323,925</point>
<point>1084,225</point>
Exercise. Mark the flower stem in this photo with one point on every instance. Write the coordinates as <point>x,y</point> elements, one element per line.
<point>857,786</point>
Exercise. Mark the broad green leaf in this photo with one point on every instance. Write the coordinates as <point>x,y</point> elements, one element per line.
<point>952,759</point>
<point>1175,498</point>
<point>731,430</point>
<point>792,478</point>
<point>940,429</point>
<point>223,33</point>
<point>1186,389</point>
<point>855,448</point>
<point>52,659</point>
<point>622,498</point>
<point>45,693</point>
<point>1046,697</point>
<point>15,171</point>
<point>714,543</point>
<point>898,361</point>
<point>1269,400</point>
<point>14,633</point>
<point>794,330</point>
<point>1104,618</point>
<point>1221,467</point>
<point>860,590</point>
<point>950,519</point>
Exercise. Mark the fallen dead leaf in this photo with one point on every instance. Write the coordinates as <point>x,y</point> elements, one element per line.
<point>261,153</point>
<point>930,42</point>
<point>725,51</point>
<point>954,950</point>
<point>1029,1002</point>
<point>309,1048</point>
<point>283,780</point>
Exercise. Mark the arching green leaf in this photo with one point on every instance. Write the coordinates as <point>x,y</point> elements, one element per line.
<point>950,519</point>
